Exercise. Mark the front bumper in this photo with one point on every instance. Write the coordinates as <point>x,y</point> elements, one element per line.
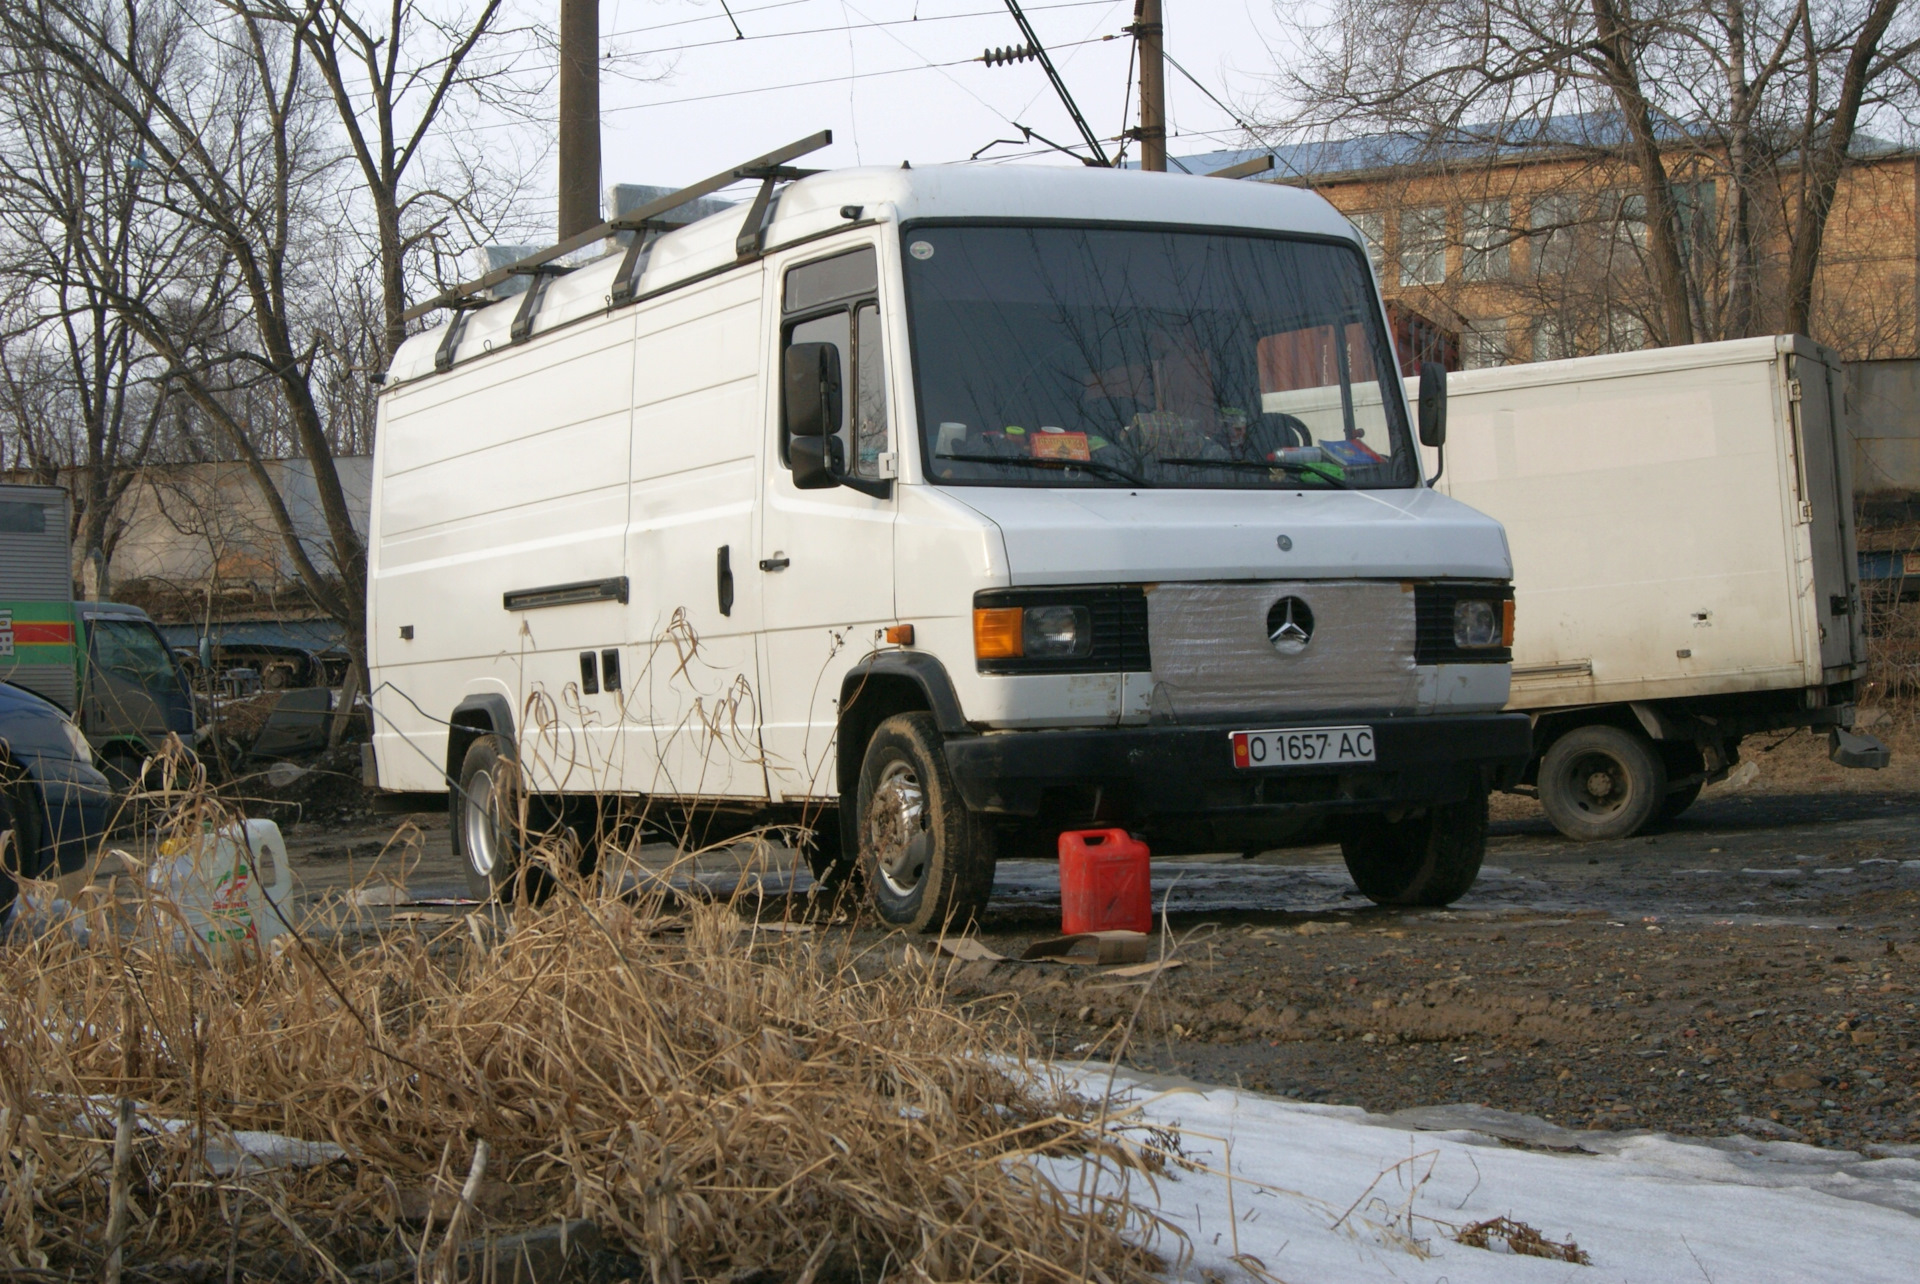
<point>1137,774</point>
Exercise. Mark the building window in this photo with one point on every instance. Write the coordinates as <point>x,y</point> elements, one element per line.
<point>1551,220</point>
<point>1551,340</point>
<point>1373,230</point>
<point>1694,202</point>
<point>1485,344</point>
<point>1423,246</point>
<point>1626,215</point>
<point>1487,253</point>
<point>1626,332</point>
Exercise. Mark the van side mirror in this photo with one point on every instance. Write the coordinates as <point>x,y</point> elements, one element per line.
<point>811,459</point>
<point>812,387</point>
<point>810,401</point>
<point>1433,404</point>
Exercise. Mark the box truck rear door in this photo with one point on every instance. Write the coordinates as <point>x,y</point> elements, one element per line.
<point>1827,506</point>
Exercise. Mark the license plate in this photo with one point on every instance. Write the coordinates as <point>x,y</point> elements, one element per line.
<point>1302,746</point>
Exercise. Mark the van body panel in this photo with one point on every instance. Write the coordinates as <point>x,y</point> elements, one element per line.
<point>689,707</point>
<point>824,559</point>
<point>1111,535</point>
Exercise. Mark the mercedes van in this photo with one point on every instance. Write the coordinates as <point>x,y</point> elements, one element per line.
<point>935,511</point>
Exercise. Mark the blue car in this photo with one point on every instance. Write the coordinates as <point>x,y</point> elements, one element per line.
<point>54,804</point>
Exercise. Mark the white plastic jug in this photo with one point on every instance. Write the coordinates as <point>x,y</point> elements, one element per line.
<point>215,882</point>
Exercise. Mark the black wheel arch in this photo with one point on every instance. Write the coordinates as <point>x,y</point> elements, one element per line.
<point>881,685</point>
<point>472,718</point>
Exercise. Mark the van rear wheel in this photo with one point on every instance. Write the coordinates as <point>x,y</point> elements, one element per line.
<point>1430,860</point>
<point>487,811</point>
<point>1601,782</point>
<point>926,859</point>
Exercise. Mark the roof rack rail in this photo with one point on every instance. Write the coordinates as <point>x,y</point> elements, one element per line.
<point>769,169</point>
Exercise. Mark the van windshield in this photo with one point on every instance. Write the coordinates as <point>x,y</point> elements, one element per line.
<point>1057,355</point>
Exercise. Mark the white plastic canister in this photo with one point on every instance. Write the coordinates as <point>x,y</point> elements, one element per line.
<point>215,882</point>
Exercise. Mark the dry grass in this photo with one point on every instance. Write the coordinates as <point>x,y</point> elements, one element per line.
<point>1521,1240</point>
<point>714,1095</point>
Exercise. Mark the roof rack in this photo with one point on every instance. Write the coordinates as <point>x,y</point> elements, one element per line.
<point>769,169</point>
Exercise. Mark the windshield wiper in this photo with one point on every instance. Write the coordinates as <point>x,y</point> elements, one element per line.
<point>1304,470</point>
<point>1028,461</point>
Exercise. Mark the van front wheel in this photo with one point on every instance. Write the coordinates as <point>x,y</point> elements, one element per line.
<point>927,861</point>
<point>1430,859</point>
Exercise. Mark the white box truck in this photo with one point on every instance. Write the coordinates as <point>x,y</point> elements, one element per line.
<point>935,511</point>
<point>1682,528</point>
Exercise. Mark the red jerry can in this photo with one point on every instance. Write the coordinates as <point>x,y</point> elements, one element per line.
<point>1104,882</point>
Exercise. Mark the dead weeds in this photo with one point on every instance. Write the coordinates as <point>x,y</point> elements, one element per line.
<point>713,1096</point>
<point>1521,1240</point>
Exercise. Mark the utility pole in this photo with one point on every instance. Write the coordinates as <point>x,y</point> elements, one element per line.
<point>579,116</point>
<point>1152,133</point>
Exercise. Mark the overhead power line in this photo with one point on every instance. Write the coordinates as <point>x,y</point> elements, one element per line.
<point>1059,85</point>
<point>1232,115</point>
<point>824,80</point>
<point>833,30</point>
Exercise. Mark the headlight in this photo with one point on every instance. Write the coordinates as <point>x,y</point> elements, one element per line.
<point>1057,632</point>
<point>77,741</point>
<point>1033,632</point>
<point>1476,623</point>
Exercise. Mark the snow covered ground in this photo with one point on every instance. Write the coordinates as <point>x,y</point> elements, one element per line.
<point>1311,1194</point>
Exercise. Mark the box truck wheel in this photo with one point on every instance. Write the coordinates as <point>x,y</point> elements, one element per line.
<point>1681,760</point>
<point>487,818</point>
<point>1430,859</point>
<point>1601,782</point>
<point>927,861</point>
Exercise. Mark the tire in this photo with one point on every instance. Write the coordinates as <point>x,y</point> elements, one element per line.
<point>1601,782</point>
<point>488,818</point>
<point>826,851</point>
<point>1428,860</point>
<point>1679,800</point>
<point>927,861</point>
<point>1681,760</point>
<point>121,766</point>
<point>19,837</point>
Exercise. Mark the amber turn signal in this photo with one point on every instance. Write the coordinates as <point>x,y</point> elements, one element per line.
<point>1506,623</point>
<point>900,635</point>
<point>997,633</point>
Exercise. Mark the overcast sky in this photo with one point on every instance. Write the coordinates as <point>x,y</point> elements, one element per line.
<point>709,100</point>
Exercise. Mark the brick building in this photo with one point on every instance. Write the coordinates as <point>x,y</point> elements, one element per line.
<point>1494,255</point>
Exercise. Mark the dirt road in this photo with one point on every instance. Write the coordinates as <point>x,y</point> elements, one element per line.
<point>1753,968</point>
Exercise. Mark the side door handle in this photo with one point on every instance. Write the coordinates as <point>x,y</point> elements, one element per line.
<point>724,574</point>
<point>775,563</point>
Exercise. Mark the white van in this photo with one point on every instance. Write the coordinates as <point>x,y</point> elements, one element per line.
<point>936,511</point>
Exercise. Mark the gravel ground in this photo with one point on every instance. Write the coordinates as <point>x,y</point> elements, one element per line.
<point>1753,968</point>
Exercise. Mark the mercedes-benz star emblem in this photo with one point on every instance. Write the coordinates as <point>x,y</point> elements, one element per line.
<point>1290,626</point>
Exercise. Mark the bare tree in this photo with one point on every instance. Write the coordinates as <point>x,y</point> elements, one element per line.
<point>1765,97</point>
<point>259,154</point>
<point>79,387</point>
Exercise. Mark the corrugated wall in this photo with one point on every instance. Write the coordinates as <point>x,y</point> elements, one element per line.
<point>33,562</point>
<point>1883,401</point>
<point>36,625</point>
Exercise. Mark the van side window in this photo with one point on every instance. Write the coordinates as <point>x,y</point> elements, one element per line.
<point>870,392</point>
<point>833,301</point>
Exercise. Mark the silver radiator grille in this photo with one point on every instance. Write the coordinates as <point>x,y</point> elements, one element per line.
<point>1212,654</point>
